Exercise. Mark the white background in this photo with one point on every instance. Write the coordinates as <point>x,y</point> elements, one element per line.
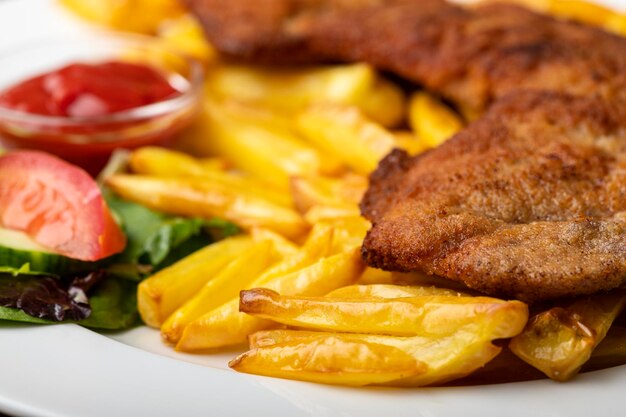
<point>70,371</point>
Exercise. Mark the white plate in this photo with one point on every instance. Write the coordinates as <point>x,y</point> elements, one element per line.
<point>65,370</point>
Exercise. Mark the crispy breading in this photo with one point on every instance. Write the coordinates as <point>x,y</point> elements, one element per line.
<point>470,56</point>
<point>528,202</point>
<point>260,32</point>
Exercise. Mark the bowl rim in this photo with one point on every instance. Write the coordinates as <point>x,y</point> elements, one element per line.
<point>163,107</point>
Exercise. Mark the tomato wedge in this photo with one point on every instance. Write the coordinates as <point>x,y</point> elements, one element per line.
<point>58,204</point>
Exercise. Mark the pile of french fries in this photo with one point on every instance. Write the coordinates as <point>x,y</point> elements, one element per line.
<point>285,154</point>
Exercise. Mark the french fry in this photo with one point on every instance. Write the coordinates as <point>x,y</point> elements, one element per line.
<point>409,142</point>
<point>504,368</point>
<point>583,11</point>
<point>349,232</point>
<point>254,114</point>
<point>343,131</point>
<point>388,291</point>
<point>184,34</point>
<point>163,162</point>
<point>432,121</point>
<point>282,247</point>
<point>238,274</point>
<point>385,103</point>
<point>265,338</point>
<point>143,16</point>
<point>435,315</point>
<point>559,341</point>
<point>269,153</point>
<point>507,367</point>
<point>317,214</point>
<point>278,125</point>
<point>195,197</point>
<point>463,351</point>
<point>375,276</point>
<point>224,327</point>
<point>161,294</point>
<point>315,190</point>
<point>318,245</point>
<point>154,160</point>
<point>617,24</point>
<point>247,185</point>
<point>331,360</point>
<point>289,89</point>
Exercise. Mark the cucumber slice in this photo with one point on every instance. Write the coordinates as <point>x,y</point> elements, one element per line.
<point>17,249</point>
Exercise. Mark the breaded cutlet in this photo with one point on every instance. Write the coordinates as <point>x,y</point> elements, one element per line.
<point>529,201</point>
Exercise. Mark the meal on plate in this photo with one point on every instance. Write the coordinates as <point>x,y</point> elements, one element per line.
<point>373,192</point>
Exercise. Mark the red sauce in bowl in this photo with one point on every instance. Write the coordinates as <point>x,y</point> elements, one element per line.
<point>87,90</point>
<point>83,111</point>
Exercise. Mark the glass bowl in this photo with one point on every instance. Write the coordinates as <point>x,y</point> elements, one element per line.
<point>88,141</point>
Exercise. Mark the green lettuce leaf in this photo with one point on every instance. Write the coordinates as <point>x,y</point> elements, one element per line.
<point>113,307</point>
<point>13,314</point>
<point>158,239</point>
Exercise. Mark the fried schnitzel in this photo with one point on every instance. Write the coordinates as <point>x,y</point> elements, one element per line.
<point>470,56</point>
<point>527,202</point>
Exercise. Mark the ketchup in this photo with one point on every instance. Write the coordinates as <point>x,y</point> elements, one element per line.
<point>77,96</point>
<point>82,90</point>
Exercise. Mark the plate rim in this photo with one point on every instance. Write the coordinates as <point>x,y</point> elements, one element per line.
<point>59,342</point>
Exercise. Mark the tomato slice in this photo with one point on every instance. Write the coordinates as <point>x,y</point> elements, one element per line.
<point>58,204</point>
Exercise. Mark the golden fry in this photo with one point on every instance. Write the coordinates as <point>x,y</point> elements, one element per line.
<point>318,245</point>
<point>385,103</point>
<point>343,131</point>
<point>583,11</point>
<point>409,142</point>
<point>269,153</point>
<point>163,162</point>
<point>375,276</point>
<point>349,232</point>
<point>154,160</point>
<point>165,291</point>
<point>195,197</point>
<point>315,191</point>
<point>432,121</point>
<point>282,247</point>
<point>265,338</point>
<point>446,357</point>
<point>338,212</point>
<point>143,16</point>
<point>291,89</point>
<point>435,315</point>
<point>231,326</point>
<point>238,274</point>
<point>185,35</point>
<point>226,326</point>
<point>616,24</point>
<point>559,341</point>
<point>388,291</point>
<point>331,360</point>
